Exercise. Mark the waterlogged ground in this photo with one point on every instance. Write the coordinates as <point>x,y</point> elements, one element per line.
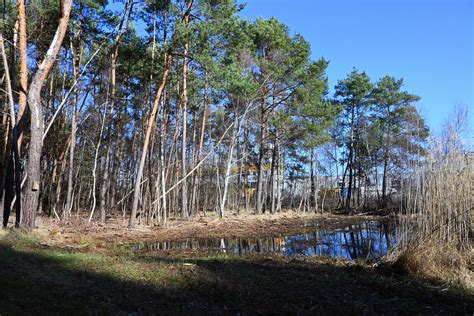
<point>367,240</point>
<point>227,271</point>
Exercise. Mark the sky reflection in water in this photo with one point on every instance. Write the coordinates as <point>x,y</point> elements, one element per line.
<point>366,240</point>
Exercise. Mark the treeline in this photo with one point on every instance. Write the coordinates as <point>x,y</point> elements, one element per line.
<point>171,108</point>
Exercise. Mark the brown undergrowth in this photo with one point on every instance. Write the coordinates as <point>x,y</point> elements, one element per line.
<point>440,264</point>
<point>77,233</point>
<point>435,230</point>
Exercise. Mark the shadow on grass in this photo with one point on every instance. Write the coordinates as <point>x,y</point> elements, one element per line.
<point>258,284</point>
<point>41,283</point>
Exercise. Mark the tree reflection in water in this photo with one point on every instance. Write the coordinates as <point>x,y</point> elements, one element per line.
<point>366,240</point>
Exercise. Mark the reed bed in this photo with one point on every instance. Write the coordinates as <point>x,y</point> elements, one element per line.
<point>435,222</point>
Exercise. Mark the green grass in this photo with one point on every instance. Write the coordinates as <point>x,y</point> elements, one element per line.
<point>36,280</point>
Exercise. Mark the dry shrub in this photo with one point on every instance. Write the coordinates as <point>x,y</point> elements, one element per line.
<point>436,214</point>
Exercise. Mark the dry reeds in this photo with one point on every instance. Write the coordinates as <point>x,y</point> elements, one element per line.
<point>435,220</point>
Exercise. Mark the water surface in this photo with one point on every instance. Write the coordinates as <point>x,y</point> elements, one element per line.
<point>367,240</point>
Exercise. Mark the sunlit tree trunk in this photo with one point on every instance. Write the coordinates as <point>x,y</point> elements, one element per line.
<point>197,174</point>
<point>273,176</point>
<point>146,142</point>
<point>184,187</point>
<point>70,182</point>
<point>230,154</point>
<point>33,168</point>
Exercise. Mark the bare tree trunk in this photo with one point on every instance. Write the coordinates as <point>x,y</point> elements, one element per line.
<point>350,161</point>
<point>343,183</point>
<point>4,134</point>
<point>241,154</point>
<point>316,181</point>
<point>192,160</point>
<point>5,150</point>
<point>162,165</point>
<point>94,169</point>
<point>127,11</point>
<point>8,197</point>
<point>13,166</point>
<point>312,179</point>
<point>259,198</point>
<point>62,160</point>
<point>9,174</point>
<point>197,175</point>
<point>280,179</point>
<point>150,125</point>
<point>184,187</point>
<point>273,177</point>
<point>37,128</point>
<point>233,141</point>
<point>385,171</point>
<point>22,102</point>
<point>69,198</point>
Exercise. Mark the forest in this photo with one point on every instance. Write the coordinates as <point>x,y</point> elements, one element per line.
<point>171,156</point>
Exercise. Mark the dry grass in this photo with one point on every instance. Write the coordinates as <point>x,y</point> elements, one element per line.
<point>435,225</point>
<point>243,225</point>
<point>438,263</point>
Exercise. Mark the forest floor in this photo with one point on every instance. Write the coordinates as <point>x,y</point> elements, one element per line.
<point>65,270</point>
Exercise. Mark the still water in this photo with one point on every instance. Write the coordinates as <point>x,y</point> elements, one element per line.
<point>367,240</point>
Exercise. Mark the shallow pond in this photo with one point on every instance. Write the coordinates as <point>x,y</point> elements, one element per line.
<point>367,240</point>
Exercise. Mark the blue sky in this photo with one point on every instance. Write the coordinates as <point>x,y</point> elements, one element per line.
<point>429,43</point>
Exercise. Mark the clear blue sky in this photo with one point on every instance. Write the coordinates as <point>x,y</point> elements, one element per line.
<point>429,43</point>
